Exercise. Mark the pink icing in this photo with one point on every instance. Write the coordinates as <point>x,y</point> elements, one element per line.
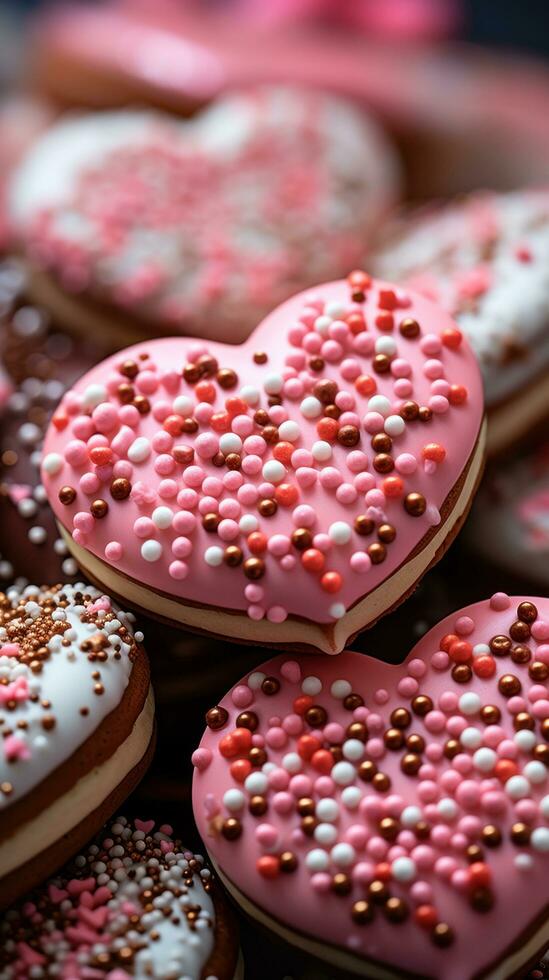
<point>337,567</point>
<point>456,800</point>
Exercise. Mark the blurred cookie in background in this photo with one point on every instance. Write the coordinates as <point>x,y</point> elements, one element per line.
<point>509,524</point>
<point>136,224</point>
<point>22,119</point>
<point>39,363</point>
<point>486,260</point>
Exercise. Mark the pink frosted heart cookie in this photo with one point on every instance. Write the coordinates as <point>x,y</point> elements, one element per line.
<point>77,724</point>
<point>485,260</point>
<point>289,491</point>
<point>133,903</point>
<point>392,821</point>
<point>136,223</point>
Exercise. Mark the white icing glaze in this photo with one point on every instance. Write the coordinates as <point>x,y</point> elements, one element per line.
<point>75,931</point>
<point>52,734</point>
<point>487,261</point>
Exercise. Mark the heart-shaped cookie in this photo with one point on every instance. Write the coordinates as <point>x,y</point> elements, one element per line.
<point>96,918</point>
<point>289,491</point>
<point>139,224</point>
<point>77,719</point>
<point>392,820</point>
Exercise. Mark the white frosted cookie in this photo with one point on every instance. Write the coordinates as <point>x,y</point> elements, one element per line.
<point>486,259</point>
<point>77,720</point>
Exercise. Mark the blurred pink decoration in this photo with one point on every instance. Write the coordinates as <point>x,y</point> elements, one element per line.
<point>391,20</point>
<point>410,20</point>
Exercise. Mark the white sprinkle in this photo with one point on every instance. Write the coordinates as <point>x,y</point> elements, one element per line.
<point>52,463</point>
<point>517,787</point>
<point>289,431</point>
<point>249,394</point>
<point>234,800</point>
<point>343,855</point>
<point>229,442</point>
<point>380,404</point>
<point>311,407</point>
<point>343,773</point>
<point>340,689</point>
<point>327,809</point>
<point>273,384</point>
<point>340,532</point>
<point>94,395</point>
<point>213,556</point>
<point>470,703</point>
<point>162,517</point>
<point>321,451</point>
<point>151,550</point>
<point>394,426</point>
<point>183,405</point>
<point>274,471</point>
<point>139,450</point>
<point>311,685</point>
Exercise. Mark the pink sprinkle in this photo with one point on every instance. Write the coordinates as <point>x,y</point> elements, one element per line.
<point>321,882</point>
<point>357,461</point>
<point>76,453</point>
<point>448,701</point>
<point>83,428</point>
<point>292,724</point>
<point>144,528</point>
<point>360,562</point>
<point>330,477</point>
<point>439,404</point>
<point>407,687</point>
<point>187,499</point>
<point>89,483</point>
<point>291,671</point>
<point>500,601</point>
<point>83,522</point>
<point>241,696</point>
<point>373,422</point>
<point>541,709</point>
<point>283,803</point>
<point>114,551</point>
<point>400,368</point>
<point>403,388</point>
<point>464,625</point>
<point>202,758</point>
<point>277,614</point>
<point>256,612</point>
<point>254,593</point>
<point>440,660</point>
<point>301,457</point>
<point>167,489</point>
<point>540,630</point>
<point>304,516</point>
<point>178,570</point>
<point>430,345</point>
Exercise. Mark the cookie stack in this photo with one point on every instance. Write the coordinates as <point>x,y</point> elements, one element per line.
<point>279,459</point>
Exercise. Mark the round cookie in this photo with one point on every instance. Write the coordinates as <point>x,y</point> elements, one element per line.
<point>136,223</point>
<point>41,364</point>
<point>486,260</point>
<point>392,820</point>
<point>289,491</point>
<point>509,524</point>
<point>133,903</point>
<point>77,719</point>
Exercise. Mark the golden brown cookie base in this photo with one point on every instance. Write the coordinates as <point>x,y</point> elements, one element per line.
<point>26,877</point>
